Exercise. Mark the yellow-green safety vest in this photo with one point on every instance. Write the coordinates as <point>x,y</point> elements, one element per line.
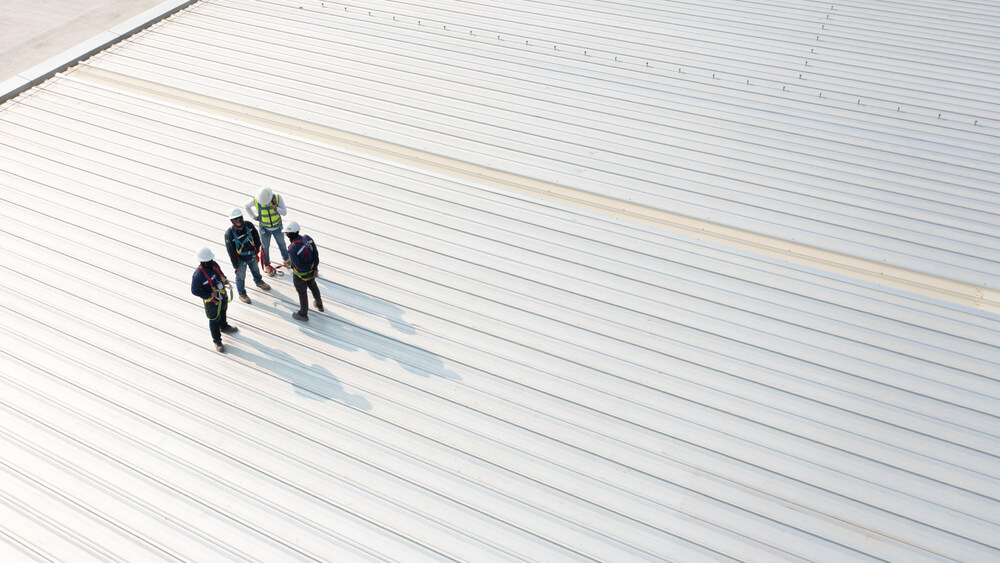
<point>268,215</point>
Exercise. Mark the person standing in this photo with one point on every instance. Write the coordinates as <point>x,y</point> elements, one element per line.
<point>242,244</point>
<point>305,263</point>
<point>210,284</point>
<point>267,209</point>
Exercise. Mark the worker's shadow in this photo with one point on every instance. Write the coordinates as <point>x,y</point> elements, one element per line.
<point>334,329</point>
<point>310,381</point>
<point>354,298</point>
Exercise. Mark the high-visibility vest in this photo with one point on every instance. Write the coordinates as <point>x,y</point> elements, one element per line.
<point>268,216</point>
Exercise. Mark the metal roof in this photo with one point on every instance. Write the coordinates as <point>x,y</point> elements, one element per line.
<point>604,280</point>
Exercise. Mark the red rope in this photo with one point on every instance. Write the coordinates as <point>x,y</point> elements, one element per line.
<point>263,267</point>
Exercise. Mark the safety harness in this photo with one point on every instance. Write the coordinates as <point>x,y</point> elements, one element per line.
<point>220,286</point>
<point>306,249</point>
<point>241,241</point>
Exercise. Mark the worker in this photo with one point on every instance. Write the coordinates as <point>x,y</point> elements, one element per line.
<point>267,209</point>
<point>305,264</point>
<point>210,284</point>
<point>243,243</point>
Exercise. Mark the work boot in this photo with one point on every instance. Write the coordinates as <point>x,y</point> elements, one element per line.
<point>262,285</point>
<point>287,263</point>
<point>219,347</point>
<point>245,298</point>
<point>299,316</point>
<point>228,329</point>
<point>269,271</point>
<point>319,305</point>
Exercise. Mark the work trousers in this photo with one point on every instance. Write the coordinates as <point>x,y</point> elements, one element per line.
<point>265,244</point>
<point>300,287</point>
<point>241,273</point>
<point>216,313</point>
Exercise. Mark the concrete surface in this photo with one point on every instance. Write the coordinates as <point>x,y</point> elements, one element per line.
<point>32,31</point>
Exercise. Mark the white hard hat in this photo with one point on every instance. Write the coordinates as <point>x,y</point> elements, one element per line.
<point>264,195</point>
<point>290,227</point>
<point>236,213</point>
<point>205,255</point>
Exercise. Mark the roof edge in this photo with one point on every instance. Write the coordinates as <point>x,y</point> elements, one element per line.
<point>25,80</point>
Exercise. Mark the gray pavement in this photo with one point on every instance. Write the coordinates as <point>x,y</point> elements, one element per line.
<point>32,31</point>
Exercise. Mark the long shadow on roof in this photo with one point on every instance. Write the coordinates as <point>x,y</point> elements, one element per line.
<point>329,328</point>
<point>310,381</point>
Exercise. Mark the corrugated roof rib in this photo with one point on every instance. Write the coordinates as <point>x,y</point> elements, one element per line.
<point>499,376</point>
<point>623,125</point>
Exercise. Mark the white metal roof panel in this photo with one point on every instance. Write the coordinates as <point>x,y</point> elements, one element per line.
<point>763,152</point>
<point>497,376</point>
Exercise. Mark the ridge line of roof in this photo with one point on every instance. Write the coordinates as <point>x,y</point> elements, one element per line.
<point>928,285</point>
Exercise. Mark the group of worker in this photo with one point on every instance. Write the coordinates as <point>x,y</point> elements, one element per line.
<point>244,245</point>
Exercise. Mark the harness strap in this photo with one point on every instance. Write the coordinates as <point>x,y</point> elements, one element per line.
<point>302,275</point>
<point>241,241</point>
<point>209,279</point>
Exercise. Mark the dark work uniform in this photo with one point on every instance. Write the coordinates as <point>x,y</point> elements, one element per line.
<point>242,246</point>
<point>305,259</point>
<point>206,276</point>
